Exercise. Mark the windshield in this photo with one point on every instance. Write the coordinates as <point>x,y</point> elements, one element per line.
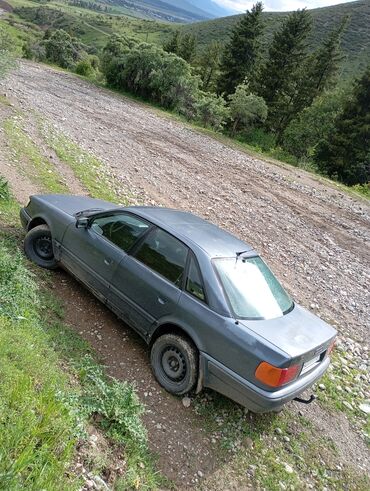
<point>252,289</point>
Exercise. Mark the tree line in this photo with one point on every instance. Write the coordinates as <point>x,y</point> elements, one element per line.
<point>283,99</point>
<point>306,110</point>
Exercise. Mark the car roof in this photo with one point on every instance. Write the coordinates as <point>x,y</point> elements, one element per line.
<point>191,228</point>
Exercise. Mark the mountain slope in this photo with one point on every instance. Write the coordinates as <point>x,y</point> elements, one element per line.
<point>355,42</point>
<point>212,8</point>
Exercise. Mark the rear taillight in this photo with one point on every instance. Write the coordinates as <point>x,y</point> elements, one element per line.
<point>274,376</point>
<point>331,347</point>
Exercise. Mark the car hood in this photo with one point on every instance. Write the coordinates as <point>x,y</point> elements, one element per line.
<point>73,204</point>
<point>298,333</point>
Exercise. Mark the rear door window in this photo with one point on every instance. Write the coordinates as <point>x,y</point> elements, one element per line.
<point>194,283</point>
<point>164,254</point>
<point>120,228</point>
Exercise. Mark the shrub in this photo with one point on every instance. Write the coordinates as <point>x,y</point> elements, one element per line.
<point>6,55</point>
<point>56,47</point>
<point>246,108</point>
<point>260,138</point>
<point>4,190</point>
<point>88,67</point>
<point>211,110</point>
<point>312,124</point>
<point>152,73</point>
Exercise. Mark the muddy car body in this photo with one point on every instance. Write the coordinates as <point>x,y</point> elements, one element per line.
<point>175,279</point>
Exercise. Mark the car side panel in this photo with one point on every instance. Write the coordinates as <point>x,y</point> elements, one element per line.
<point>91,258</point>
<point>141,295</point>
<point>226,341</point>
<point>56,219</point>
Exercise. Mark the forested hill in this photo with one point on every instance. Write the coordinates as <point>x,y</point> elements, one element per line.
<point>181,11</point>
<point>355,41</point>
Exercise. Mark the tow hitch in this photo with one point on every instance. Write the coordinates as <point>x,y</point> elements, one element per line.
<point>305,401</point>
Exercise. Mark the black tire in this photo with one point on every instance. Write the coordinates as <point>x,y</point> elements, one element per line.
<point>38,247</point>
<point>174,362</point>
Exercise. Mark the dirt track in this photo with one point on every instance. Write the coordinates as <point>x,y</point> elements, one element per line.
<point>315,237</point>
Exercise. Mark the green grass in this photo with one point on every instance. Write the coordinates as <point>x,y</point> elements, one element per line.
<point>37,437</point>
<point>38,168</point>
<point>52,387</point>
<point>87,168</point>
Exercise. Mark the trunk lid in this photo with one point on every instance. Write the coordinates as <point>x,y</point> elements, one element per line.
<point>300,334</point>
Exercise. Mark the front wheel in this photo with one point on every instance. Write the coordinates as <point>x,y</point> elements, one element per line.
<point>174,362</point>
<point>38,247</point>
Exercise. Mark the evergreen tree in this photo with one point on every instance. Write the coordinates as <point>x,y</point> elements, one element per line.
<point>187,48</point>
<point>280,74</point>
<point>345,154</point>
<point>242,52</point>
<point>172,45</point>
<point>319,72</point>
<point>208,65</point>
<point>184,46</point>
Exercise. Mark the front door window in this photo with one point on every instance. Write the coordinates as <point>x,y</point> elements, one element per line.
<point>164,254</point>
<point>120,228</point>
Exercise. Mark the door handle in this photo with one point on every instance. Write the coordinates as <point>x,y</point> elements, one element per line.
<point>107,262</point>
<point>161,301</point>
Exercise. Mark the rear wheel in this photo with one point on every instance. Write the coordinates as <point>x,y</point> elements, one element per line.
<point>174,362</point>
<point>38,247</point>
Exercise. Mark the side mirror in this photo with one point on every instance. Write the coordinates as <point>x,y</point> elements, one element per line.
<point>82,222</point>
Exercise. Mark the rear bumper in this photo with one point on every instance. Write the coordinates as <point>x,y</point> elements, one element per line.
<point>25,218</point>
<point>218,377</point>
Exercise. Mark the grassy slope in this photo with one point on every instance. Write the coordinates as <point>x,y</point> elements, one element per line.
<point>94,28</point>
<point>91,27</point>
<point>51,388</point>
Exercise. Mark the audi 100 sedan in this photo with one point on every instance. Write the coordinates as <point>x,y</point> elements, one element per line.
<point>211,311</point>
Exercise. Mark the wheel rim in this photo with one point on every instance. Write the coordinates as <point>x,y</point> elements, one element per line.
<point>43,247</point>
<point>173,363</point>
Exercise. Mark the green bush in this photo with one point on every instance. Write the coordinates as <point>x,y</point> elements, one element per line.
<point>246,109</point>
<point>4,190</point>
<point>150,72</point>
<point>62,49</point>
<point>312,124</point>
<point>211,110</point>
<point>259,138</point>
<point>6,52</point>
<point>116,403</point>
<point>88,67</point>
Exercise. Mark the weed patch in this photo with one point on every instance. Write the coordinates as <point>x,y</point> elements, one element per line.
<point>87,168</point>
<point>29,159</point>
<point>52,389</point>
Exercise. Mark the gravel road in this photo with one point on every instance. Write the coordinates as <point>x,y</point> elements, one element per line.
<point>315,237</point>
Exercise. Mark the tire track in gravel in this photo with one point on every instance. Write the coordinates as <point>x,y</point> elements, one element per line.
<point>315,237</point>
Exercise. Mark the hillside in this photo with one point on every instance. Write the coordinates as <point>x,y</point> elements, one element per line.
<point>165,10</point>
<point>94,27</point>
<point>59,133</point>
<point>170,10</point>
<point>355,43</point>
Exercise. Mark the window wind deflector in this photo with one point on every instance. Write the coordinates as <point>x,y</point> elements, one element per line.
<point>238,254</point>
<point>88,212</point>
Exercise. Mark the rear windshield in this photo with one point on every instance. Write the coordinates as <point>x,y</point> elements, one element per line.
<point>251,288</point>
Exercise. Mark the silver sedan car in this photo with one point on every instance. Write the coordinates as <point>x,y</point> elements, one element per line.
<point>210,309</point>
